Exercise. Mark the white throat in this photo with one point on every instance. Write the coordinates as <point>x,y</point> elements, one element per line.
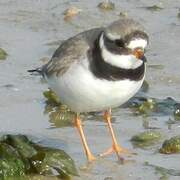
<point>122,61</point>
<point>137,43</point>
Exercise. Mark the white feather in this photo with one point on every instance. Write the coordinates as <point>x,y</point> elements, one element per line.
<point>142,43</point>
<point>113,36</point>
<point>83,92</point>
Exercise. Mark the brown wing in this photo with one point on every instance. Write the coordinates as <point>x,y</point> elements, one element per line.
<point>71,51</point>
<point>68,53</point>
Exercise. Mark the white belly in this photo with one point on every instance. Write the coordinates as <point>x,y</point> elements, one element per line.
<point>83,92</point>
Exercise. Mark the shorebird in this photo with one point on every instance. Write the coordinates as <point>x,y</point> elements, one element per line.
<point>97,70</point>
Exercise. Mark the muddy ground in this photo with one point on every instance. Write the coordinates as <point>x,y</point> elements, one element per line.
<point>31,30</point>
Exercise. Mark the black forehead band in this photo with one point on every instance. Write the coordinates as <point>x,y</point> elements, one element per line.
<point>136,35</point>
<point>112,46</point>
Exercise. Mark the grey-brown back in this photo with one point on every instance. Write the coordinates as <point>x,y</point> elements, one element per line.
<point>70,51</point>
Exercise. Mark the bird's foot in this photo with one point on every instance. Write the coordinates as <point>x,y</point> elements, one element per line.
<point>90,157</point>
<point>118,150</point>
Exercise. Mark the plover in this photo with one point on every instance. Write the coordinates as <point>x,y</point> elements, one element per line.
<point>97,70</point>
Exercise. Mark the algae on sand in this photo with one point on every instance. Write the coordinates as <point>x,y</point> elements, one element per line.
<point>19,157</point>
<point>171,146</point>
<point>146,138</point>
<point>3,54</point>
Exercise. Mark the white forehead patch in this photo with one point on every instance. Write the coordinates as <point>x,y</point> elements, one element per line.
<point>113,36</point>
<point>142,43</point>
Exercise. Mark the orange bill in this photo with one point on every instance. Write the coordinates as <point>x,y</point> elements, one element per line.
<point>139,53</point>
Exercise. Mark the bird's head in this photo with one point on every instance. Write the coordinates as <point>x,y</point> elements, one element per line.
<point>123,44</point>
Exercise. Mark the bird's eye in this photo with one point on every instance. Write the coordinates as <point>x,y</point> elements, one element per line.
<point>119,43</point>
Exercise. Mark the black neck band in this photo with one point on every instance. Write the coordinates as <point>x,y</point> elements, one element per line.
<point>104,70</point>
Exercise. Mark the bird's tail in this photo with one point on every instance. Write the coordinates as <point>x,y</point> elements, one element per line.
<point>37,71</point>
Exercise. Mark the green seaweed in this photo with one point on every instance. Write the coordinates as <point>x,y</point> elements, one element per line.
<point>49,160</point>
<point>71,12</point>
<point>19,157</point>
<point>106,5</point>
<point>123,14</point>
<point>142,105</point>
<point>59,114</point>
<point>154,7</point>
<point>51,97</point>
<point>171,146</point>
<point>148,106</point>
<point>11,164</point>
<point>3,54</point>
<point>153,107</point>
<point>11,168</point>
<point>21,144</point>
<point>60,117</point>
<point>146,138</point>
<point>164,171</point>
<point>34,177</point>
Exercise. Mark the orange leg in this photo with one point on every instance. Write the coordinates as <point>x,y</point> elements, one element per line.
<point>115,147</point>
<point>89,155</point>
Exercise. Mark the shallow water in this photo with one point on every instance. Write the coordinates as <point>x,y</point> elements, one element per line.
<point>31,30</point>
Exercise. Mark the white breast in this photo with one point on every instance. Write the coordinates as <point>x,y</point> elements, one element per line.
<point>83,92</point>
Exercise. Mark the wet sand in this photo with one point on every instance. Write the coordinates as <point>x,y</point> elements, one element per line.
<point>31,30</point>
